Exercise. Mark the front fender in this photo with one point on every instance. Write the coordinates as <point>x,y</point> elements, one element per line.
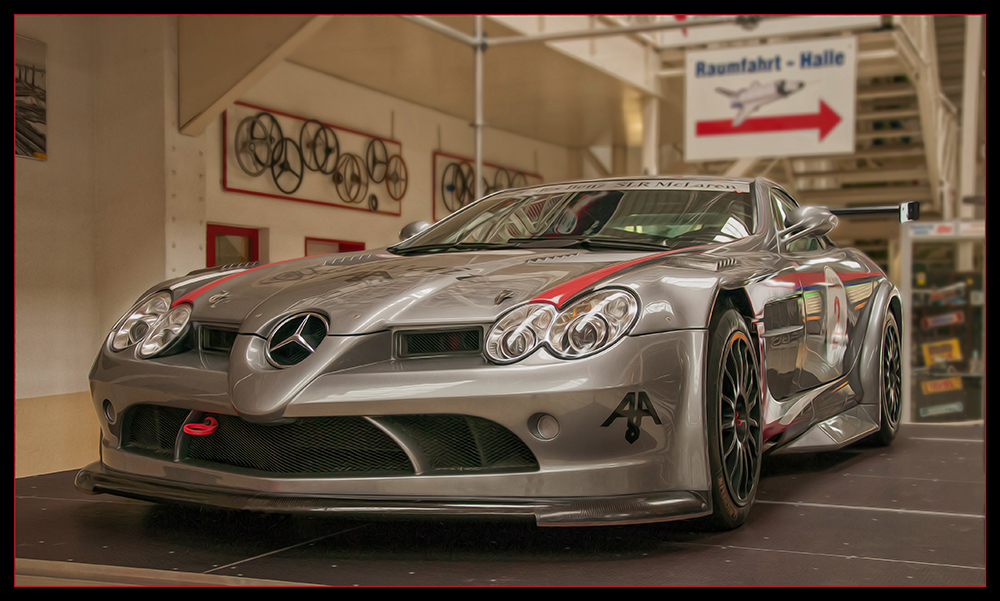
<point>672,298</point>
<point>865,346</point>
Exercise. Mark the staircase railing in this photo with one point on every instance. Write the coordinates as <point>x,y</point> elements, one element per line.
<point>915,41</point>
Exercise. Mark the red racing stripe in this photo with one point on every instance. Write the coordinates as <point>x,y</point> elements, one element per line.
<point>190,296</point>
<point>563,292</point>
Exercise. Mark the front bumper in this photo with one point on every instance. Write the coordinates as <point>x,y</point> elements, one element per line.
<point>631,445</point>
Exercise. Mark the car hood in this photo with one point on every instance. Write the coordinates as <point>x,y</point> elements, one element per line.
<point>371,291</point>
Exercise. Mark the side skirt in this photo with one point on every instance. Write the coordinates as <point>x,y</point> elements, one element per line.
<point>836,432</point>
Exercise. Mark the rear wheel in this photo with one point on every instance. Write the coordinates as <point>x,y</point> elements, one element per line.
<point>734,419</point>
<point>890,382</point>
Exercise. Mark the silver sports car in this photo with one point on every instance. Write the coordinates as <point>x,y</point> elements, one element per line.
<point>602,352</point>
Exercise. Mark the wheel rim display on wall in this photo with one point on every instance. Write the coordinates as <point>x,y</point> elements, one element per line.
<point>255,144</point>
<point>458,185</point>
<point>396,178</point>
<point>287,167</point>
<point>258,146</point>
<point>320,147</point>
<point>351,179</point>
<point>377,160</point>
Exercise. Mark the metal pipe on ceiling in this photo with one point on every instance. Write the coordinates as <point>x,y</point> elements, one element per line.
<point>480,43</point>
<point>480,48</point>
<point>625,30</point>
<point>572,35</point>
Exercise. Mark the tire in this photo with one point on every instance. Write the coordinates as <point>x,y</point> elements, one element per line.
<point>734,418</point>
<point>890,383</point>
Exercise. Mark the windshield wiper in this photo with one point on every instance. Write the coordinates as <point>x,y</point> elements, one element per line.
<point>587,242</point>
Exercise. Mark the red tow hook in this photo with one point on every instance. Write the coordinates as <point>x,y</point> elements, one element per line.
<point>202,429</point>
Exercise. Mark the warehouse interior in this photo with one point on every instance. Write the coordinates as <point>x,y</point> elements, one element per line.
<point>134,180</point>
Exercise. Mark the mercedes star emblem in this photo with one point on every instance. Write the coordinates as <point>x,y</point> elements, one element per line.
<point>295,339</point>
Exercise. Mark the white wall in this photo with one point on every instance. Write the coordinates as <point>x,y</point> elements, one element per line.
<point>56,302</point>
<point>89,220</point>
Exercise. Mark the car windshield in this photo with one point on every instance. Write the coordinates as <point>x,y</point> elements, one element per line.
<point>656,218</point>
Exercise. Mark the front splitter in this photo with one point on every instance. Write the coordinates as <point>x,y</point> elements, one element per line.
<point>602,511</point>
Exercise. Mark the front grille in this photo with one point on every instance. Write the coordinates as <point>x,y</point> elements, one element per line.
<point>349,446</point>
<point>451,342</point>
<point>320,445</point>
<point>463,443</point>
<point>152,429</point>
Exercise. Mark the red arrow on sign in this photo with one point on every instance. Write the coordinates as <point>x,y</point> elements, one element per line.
<point>825,120</point>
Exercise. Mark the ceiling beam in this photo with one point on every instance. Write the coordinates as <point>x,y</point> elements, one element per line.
<point>221,57</point>
<point>610,31</point>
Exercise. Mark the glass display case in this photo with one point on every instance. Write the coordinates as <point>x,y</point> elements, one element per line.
<point>945,290</point>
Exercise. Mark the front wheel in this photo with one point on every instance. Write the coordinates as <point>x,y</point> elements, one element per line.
<point>734,420</point>
<point>890,383</point>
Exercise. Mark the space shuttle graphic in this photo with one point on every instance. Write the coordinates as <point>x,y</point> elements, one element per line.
<point>757,95</point>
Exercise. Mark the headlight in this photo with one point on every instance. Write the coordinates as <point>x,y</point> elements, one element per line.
<point>169,328</point>
<point>519,333</point>
<point>583,328</point>
<point>592,323</point>
<point>134,326</point>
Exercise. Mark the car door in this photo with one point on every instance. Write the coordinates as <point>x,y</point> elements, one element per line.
<point>818,268</point>
<point>784,316</point>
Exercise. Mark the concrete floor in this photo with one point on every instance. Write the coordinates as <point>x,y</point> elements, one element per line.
<point>912,514</point>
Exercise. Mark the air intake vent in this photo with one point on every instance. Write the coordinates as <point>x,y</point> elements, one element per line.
<point>460,443</point>
<point>222,268</point>
<point>427,343</point>
<point>216,340</point>
<point>702,263</point>
<point>152,429</point>
<point>350,259</point>
<point>552,258</point>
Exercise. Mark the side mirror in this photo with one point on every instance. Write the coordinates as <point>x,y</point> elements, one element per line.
<point>412,229</point>
<point>808,221</point>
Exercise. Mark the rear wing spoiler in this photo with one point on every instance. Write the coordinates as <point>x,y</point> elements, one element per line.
<point>907,211</point>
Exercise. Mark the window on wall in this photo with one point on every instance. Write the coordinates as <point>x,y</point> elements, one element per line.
<point>228,244</point>
<point>321,246</point>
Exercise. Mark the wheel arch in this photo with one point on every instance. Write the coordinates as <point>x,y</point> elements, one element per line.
<point>896,307</point>
<point>738,299</point>
<point>885,300</point>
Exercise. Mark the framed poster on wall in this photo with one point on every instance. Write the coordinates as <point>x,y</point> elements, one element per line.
<point>30,133</point>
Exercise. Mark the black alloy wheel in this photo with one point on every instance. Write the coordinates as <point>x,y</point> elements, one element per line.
<point>735,420</point>
<point>890,382</point>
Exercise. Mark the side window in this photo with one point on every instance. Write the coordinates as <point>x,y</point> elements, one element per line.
<point>783,205</point>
